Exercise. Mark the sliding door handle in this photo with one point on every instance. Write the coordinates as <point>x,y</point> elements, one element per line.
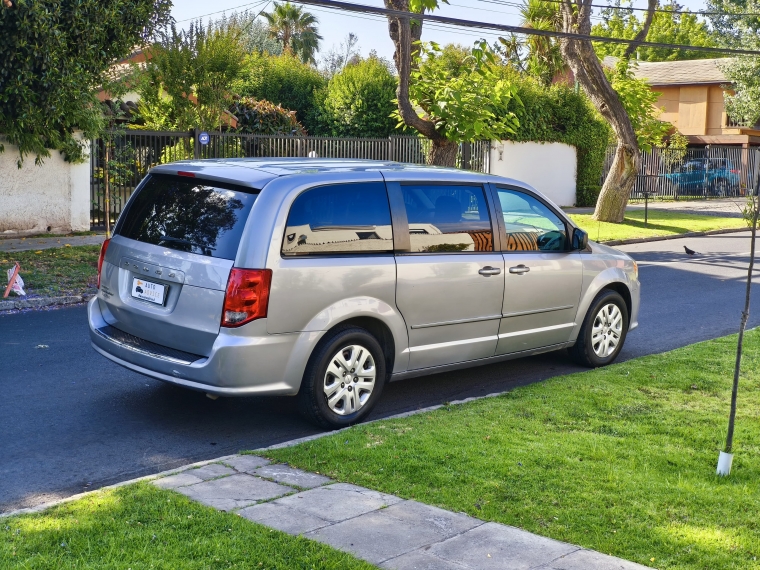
<point>519,269</point>
<point>488,271</point>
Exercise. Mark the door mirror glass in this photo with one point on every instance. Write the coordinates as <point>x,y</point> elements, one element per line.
<point>580,239</point>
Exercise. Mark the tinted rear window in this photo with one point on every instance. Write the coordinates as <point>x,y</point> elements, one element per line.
<point>188,214</point>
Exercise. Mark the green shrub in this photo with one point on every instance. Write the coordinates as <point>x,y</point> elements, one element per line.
<point>264,118</point>
<point>283,80</point>
<point>358,101</point>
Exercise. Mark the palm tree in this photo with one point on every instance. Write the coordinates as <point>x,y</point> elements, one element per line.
<point>544,59</point>
<point>296,29</point>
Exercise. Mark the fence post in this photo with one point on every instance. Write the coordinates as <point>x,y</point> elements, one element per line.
<point>466,155</point>
<point>196,145</point>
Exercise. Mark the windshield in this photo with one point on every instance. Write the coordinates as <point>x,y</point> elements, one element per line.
<point>188,214</point>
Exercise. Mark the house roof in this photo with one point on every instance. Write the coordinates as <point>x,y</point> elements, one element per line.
<point>686,72</point>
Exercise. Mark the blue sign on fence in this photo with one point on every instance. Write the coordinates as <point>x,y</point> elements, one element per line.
<point>203,138</point>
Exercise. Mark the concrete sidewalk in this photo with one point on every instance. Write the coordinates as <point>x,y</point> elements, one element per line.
<point>382,529</point>
<point>721,207</point>
<point>32,243</point>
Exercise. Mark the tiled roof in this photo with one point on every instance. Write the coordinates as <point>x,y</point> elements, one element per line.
<point>687,72</point>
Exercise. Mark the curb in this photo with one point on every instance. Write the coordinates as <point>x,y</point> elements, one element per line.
<point>674,236</point>
<point>43,302</point>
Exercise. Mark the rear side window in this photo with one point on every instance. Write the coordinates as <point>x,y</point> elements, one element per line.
<point>188,214</point>
<point>447,219</point>
<point>342,218</point>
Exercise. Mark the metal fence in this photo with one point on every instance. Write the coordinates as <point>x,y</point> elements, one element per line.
<point>710,172</point>
<point>122,158</point>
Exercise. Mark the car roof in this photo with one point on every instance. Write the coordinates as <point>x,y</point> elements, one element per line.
<point>256,172</point>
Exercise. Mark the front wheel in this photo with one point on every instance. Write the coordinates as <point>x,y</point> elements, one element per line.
<point>720,188</point>
<point>343,380</point>
<point>603,332</point>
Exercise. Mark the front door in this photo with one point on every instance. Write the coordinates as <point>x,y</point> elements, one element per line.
<point>450,285</point>
<point>542,279</point>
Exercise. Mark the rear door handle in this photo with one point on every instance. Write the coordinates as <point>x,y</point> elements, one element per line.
<point>520,269</point>
<point>488,270</point>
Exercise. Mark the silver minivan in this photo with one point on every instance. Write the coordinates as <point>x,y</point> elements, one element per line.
<point>325,279</point>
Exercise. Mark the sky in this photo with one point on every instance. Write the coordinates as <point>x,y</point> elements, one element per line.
<point>372,30</point>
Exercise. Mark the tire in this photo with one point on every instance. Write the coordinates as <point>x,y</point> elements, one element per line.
<point>585,352</point>
<point>326,398</point>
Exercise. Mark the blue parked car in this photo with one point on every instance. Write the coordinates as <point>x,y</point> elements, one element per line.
<point>706,177</point>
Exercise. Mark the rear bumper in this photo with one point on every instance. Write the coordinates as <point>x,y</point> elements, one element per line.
<point>243,361</point>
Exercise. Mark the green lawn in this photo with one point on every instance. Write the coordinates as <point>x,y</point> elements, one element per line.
<point>139,527</point>
<point>56,271</point>
<point>660,223</point>
<point>621,459</point>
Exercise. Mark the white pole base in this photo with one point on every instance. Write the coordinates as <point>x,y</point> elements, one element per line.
<point>724,463</point>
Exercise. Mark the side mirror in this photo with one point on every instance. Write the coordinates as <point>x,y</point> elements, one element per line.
<point>580,239</point>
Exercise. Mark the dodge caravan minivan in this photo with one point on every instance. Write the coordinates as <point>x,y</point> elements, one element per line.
<point>325,279</point>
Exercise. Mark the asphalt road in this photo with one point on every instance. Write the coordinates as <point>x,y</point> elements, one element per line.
<point>71,421</point>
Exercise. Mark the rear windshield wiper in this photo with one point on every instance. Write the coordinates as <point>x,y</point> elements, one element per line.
<point>186,242</point>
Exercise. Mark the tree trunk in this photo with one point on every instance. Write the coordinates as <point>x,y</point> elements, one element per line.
<point>582,59</point>
<point>443,152</point>
<point>404,36</point>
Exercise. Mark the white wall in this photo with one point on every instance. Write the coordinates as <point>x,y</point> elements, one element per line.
<point>55,195</point>
<point>549,167</point>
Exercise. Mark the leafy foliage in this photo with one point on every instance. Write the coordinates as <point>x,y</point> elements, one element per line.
<point>667,27</point>
<point>284,80</point>
<point>470,106</point>
<point>544,59</point>
<point>55,55</point>
<point>265,118</point>
<point>186,83</point>
<point>744,105</point>
<point>338,58</point>
<point>639,102</point>
<point>295,29</point>
<point>358,101</point>
<point>254,34</point>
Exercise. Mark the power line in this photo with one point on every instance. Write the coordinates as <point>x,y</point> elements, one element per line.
<point>630,8</point>
<point>336,4</point>
<point>221,11</point>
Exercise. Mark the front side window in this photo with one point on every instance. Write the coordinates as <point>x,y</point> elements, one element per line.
<point>530,225</point>
<point>187,214</point>
<point>447,219</point>
<point>343,218</point>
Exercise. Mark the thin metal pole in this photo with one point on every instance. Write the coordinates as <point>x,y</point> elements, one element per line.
<point>107,198</point>
<point>745,312</point>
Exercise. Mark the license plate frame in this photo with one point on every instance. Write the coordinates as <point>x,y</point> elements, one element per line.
<point>149,291</point>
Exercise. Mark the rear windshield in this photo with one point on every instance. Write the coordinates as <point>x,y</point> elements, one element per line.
<point>188,214</point>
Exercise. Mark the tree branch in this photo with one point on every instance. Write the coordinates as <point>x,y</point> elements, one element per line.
<point>642,35</point>
<point>404,37</point>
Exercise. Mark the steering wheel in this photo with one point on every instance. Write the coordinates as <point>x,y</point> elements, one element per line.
<point>550,241</point>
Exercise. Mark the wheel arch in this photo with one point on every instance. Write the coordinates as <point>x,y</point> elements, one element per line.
<point>377,328</point>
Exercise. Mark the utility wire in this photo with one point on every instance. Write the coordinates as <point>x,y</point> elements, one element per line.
<point>221,11</point>
<point>338,5</point>
<point>609,7</point>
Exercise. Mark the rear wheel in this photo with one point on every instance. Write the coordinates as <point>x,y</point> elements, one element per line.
<point>603,332</point>
<point>344,379</point>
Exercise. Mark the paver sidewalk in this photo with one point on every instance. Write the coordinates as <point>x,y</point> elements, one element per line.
<point>385,530</point>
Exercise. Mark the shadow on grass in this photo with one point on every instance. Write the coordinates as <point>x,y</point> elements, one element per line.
<point>140,526</point>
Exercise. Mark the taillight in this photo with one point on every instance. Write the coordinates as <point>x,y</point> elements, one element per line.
<point>734,171</point>
<point>247,296</point>
<point>101,258</point>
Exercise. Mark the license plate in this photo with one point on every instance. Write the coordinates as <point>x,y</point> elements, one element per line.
<point>148,291</point>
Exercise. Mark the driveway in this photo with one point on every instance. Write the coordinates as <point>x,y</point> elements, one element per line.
<point>73,421</point>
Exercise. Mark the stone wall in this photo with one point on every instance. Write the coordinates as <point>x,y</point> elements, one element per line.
<point>53,197</point>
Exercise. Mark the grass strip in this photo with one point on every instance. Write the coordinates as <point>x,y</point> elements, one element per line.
<point>57,271</point>
<point>142,527</point>
<point>620,459</point>
<point>660,223</point>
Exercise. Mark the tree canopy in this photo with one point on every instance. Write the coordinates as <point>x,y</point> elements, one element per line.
<point>55,56</point>
<point>669,27</point>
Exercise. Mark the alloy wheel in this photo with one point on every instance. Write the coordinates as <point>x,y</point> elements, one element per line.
<point>607,330</point>
<point>349,379</point>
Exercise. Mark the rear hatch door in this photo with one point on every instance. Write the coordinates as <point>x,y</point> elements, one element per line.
<point>166,268</point>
